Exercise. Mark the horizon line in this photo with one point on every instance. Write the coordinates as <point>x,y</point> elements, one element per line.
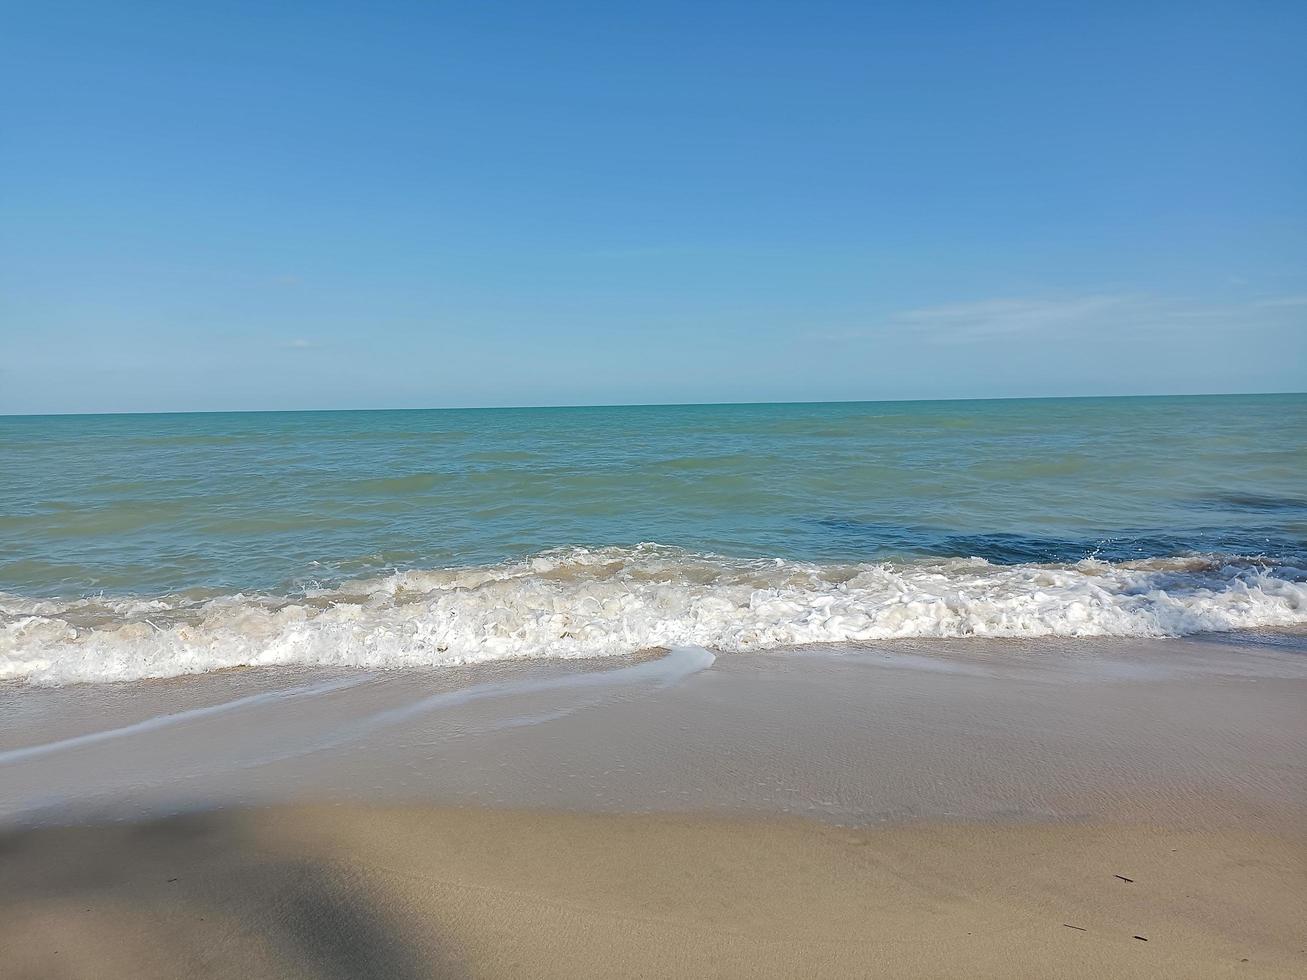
<point>689,404</point>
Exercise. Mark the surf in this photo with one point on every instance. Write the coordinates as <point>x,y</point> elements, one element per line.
<point>578,602</point>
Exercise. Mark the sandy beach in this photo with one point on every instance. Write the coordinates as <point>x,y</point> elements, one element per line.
<point>965,809</point>
<point>677,490</point>
<point>421,892</point>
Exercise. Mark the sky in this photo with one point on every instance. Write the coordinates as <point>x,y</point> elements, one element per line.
<point>418,204</point>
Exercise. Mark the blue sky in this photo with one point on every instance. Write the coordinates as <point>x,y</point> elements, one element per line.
<point>389,204</point>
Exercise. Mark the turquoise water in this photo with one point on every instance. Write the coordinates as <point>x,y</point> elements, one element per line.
<point>145,503</point>
<point>192,509</point>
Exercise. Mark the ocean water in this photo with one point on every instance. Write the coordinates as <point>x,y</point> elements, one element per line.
<point>156,545</point>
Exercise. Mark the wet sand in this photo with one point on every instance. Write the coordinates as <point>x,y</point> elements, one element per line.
<point>911,810</point>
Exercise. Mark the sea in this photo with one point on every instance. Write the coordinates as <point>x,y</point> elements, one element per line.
<point>153,546</point>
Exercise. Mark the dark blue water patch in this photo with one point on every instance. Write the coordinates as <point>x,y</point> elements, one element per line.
<point>873,540</point>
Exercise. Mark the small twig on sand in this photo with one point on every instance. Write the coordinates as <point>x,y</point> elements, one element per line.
<point>1124,878</point>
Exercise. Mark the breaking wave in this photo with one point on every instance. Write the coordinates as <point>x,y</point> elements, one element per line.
<point>579,602</point>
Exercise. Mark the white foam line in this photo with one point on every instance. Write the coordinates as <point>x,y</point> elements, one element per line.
<point>582,604</point>
<point>180,717</point>
<point>678,664</point>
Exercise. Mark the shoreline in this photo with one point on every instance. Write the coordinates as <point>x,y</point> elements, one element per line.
<point>922,808</point>
<point>916,730</point>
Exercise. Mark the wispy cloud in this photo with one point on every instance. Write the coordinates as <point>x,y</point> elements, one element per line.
<point>1000,317</point>
<point>1050,318</point>
<point>299,343</point>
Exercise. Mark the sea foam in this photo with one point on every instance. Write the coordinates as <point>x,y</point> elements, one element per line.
<point>578,603</point>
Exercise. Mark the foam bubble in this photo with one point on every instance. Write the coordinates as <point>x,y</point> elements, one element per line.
<point>585,603</point>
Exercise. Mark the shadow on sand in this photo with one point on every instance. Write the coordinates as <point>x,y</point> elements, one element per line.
<point>196,895</point>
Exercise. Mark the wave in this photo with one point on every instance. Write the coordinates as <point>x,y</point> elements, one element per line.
<point>578,603</point>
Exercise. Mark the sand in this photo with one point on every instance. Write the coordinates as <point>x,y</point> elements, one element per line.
<point>422,892</point>
<point>925,810</point>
